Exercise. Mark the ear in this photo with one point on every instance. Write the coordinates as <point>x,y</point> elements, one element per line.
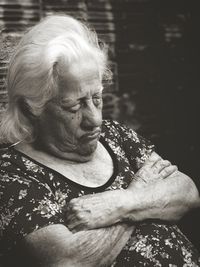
<point>26,110</point>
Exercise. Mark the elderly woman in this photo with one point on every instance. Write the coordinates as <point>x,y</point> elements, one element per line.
<point>76,190</point>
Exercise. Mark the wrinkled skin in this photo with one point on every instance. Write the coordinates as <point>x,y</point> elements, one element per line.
<point>70,125</point>
<point>95,211</point>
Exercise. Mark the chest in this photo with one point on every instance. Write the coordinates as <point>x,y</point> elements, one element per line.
<point>92,174</point>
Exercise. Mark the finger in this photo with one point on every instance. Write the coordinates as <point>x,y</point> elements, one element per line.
<point>154,157</point>
<point>141,173</point>
<point>74,202</point>
<point>70,219</point>
<point>75,227</point>
<point>70,211</point>
<point>75,222</point>
<point>167,171</point>
<point>160,165</point>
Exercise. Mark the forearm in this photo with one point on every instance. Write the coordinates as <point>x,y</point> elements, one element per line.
<point>167,199</point>
<point>100,247</point>
<point>56,246</point>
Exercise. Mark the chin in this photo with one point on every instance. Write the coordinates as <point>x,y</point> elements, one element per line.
<point>87,149</point>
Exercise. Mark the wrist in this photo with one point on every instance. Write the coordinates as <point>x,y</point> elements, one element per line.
<point>119,204</point>
<point>136,205</point>
<point>124,203</point>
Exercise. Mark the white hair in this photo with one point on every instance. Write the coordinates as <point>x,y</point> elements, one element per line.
<point>54,43</point>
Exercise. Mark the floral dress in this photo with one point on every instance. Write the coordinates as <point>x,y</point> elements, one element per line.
<point>33,196</point>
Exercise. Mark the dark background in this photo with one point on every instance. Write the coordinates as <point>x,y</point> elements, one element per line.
<point>154,56</point>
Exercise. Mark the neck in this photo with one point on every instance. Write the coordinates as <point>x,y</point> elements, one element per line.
<point>70,157</point>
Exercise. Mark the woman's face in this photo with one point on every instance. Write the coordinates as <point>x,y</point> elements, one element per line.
<point>70,125</point>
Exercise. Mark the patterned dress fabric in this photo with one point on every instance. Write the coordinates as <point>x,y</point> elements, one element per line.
<point>33,196</point>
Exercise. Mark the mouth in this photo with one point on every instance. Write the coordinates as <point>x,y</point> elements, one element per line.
<point>91,135</point>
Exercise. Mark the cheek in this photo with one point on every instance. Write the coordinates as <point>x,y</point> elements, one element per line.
<point>59,123</point>
<point>68,122</point>
<point>59,116</point>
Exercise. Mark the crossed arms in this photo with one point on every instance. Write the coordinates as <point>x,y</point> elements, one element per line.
<point>99,225</point>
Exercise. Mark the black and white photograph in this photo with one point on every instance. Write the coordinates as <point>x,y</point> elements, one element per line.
<point>99,133</point>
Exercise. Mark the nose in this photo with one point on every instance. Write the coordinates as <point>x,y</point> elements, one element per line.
<point>92,117</point>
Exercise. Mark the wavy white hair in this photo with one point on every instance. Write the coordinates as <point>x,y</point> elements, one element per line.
<point>54,43</point>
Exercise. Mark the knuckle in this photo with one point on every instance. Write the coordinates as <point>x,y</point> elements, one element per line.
<point>156,156</point>
<point>163,164</point>
<point>158,164</point>
<point>164,172</point>
<point>174,168</point>
<point>171,167</point>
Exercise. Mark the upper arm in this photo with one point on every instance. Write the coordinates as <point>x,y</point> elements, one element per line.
<point>49,246</point>
<point>136,147</point>
<point>44,240</point>
<point>56,246</point>
<point>26,206</point>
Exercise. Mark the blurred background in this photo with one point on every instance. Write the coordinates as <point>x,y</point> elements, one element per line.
<point>154,55</point>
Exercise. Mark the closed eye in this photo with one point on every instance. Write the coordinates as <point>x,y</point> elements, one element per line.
<point>72,109</point>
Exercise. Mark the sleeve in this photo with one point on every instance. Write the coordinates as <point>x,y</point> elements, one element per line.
<point>25,206</point>
<point>136,147</point>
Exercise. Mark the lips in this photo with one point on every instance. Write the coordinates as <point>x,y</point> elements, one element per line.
<point>91,135</point>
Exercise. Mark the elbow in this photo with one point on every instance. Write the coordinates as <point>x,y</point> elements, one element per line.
<point>190,192</point>
<point>194,194</point>
<point>184,197</point>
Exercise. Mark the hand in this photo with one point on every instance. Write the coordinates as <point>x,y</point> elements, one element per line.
<point>154,169</point>
<point>95,211</point>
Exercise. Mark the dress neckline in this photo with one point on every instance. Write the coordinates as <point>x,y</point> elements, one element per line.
<point>93,189</point>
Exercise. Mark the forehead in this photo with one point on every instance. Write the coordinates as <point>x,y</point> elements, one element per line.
<point>80,78</point>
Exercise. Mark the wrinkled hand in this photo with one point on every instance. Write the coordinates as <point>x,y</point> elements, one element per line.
<point>94,211</point>
<point>107,208</point>
<point>154,169</point>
